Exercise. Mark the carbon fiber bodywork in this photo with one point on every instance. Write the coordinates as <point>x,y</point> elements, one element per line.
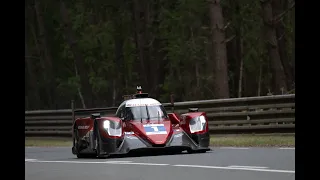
<point>178,142</point>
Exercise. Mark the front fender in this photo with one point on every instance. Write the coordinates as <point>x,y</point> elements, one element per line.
<point>103,132</point>
<point>186,118</point>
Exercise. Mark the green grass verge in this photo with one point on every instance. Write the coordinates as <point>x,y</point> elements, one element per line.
<point>47,142</point>
<point>216,140</point>
<point>254,140</point>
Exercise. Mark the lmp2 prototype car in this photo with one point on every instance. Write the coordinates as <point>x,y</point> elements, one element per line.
<point>140,123</point>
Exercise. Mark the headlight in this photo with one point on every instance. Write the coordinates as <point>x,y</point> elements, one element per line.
<point>197,124</point>
<point>112,127</point>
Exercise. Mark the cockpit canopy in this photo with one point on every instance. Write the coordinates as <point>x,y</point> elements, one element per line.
<point>141,109</point>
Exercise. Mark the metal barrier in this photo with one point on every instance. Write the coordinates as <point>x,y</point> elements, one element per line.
<point>267,114</point>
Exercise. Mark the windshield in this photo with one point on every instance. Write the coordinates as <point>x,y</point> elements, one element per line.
<point>145,112</point>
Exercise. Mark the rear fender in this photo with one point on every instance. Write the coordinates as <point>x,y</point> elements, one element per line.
<point>82,126</point>
<point>82,134</point>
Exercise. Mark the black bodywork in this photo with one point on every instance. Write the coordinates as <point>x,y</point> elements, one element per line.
<point>177,143</point>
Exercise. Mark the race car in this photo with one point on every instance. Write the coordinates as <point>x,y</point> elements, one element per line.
<point>140,123</point>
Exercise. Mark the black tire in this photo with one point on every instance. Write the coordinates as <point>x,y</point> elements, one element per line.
<point>80,156</point>
<point>175,152</point>
<point>86,155</point>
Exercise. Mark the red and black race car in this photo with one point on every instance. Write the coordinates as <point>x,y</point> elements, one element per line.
<point>140,123</point>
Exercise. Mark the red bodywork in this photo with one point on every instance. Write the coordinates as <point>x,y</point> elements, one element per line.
<point>172,125</point>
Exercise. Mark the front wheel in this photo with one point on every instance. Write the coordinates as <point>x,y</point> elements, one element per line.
<point>86,155</point>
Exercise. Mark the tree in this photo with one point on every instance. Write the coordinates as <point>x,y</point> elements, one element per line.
<point>219,50</point>
<point>278,76</point>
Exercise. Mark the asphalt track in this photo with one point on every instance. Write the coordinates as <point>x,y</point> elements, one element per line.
<point>220,164</point>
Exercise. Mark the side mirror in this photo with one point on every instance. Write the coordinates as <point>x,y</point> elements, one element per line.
<point>174,118</point>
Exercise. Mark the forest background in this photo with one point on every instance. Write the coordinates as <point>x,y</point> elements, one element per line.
<point>94,52</point>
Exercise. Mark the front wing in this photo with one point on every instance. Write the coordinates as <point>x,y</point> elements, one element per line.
<point>179,142</point>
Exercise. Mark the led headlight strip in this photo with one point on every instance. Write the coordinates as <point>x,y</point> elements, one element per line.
<point>113,128</point>
<point>197,124</point>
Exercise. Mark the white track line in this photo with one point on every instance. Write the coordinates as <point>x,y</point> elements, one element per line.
<point>246,168</point>
<point>147,164</point>
<point>251,167</point>
<point>80,162</point>
<point>234,148</point>
<point>230,168</point>
<point>48,147</point>
<point>30,159</point>
<point>102,162</point>
<point>293,148</point>
<point>118,161</point>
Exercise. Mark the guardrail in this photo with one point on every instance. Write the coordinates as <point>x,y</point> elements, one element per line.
<point>267,114</point>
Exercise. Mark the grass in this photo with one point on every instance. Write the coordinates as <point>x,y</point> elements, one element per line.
<point>47,142</point>
<point>278,140</point>
<point>254,140</point>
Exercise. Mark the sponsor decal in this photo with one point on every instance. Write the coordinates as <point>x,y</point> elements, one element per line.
<point>83,127</point>
<point>154,129</point>
<point>142,104</point>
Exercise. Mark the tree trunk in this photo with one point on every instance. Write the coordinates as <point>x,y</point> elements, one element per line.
<point>45,50</point>
<point>158,63</point>
<point>78,89</point>
<point>279,7</point>
<point>120,74</point>
<point>239,47</point>
<point>278,75</point>
<point>33,92</point>
<point>119,61</point>
<point>140,20</point>
<point>196,68</point>
<point>240,68</point>
<point>79,60</point>
<point>221,86</point>
<point>294,47</point>
<point>259,79</point>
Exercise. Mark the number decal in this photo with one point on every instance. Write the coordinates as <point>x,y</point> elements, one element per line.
<point>155,129</point>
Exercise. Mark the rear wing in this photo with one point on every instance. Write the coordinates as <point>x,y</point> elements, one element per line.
<point>93,112</point>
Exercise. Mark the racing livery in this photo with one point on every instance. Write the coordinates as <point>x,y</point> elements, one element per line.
<point>140,123</point>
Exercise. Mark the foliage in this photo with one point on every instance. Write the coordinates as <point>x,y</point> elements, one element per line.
<point>177,49</point>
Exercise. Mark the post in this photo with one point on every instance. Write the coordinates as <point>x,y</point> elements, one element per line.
<point>73,119</point>
<point>72,110</point>
<point>172,103</point>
